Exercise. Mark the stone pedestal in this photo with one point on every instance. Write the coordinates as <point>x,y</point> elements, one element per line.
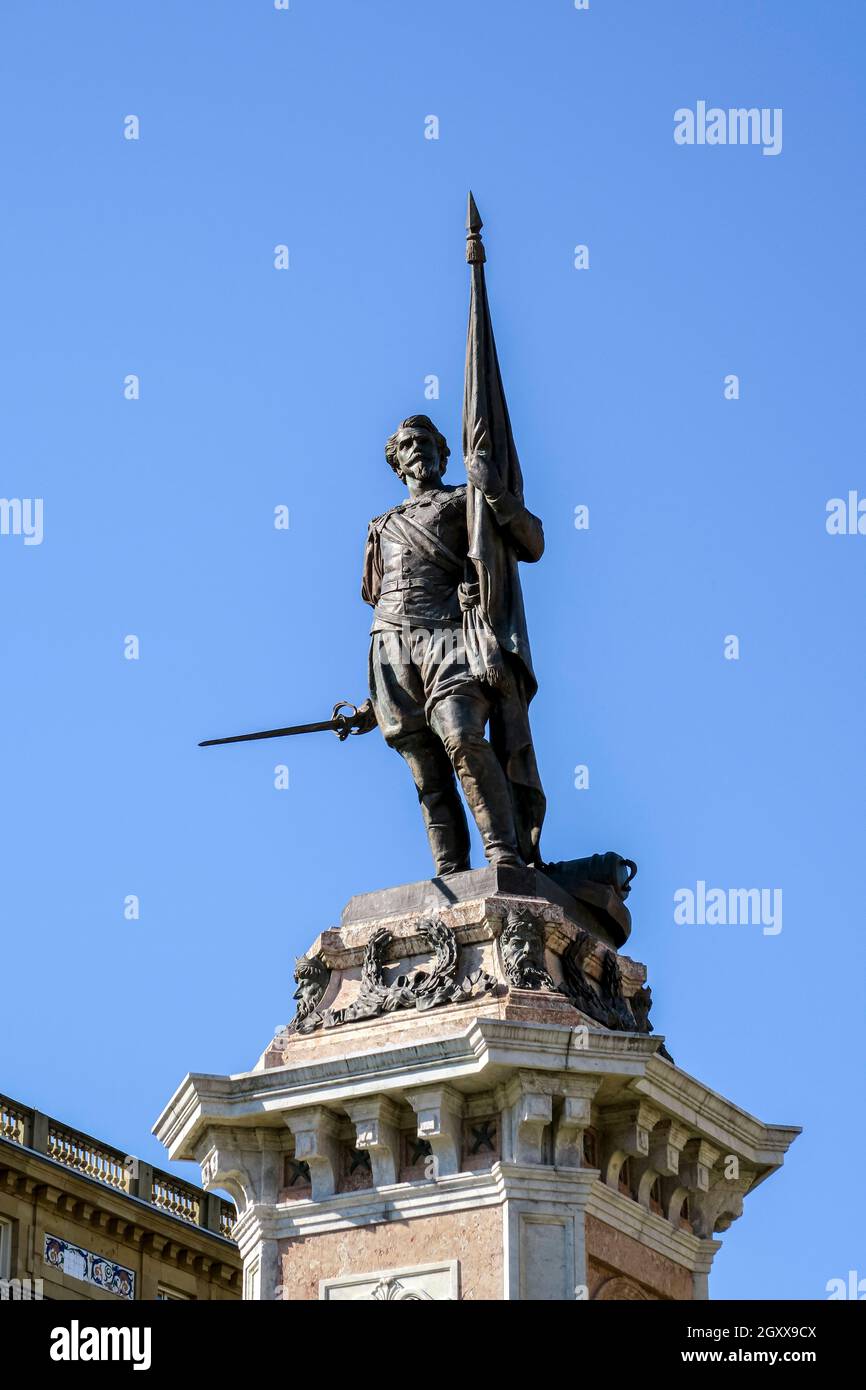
<point>471,1104</point>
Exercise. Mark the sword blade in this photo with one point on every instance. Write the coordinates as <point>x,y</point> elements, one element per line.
<point>274,733</point>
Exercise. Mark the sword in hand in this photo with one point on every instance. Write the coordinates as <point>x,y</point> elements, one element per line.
<point>345,719</point>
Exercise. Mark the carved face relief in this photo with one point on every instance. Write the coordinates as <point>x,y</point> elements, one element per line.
<point>522,946</point>
<point>311,977</point>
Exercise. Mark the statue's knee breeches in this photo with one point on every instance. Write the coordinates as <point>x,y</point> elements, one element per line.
<point>427,760</point>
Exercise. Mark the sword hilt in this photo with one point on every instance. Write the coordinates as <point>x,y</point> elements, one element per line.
<point>344,724</point>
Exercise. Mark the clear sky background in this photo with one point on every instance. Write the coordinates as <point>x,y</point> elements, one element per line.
<point>262,387</point>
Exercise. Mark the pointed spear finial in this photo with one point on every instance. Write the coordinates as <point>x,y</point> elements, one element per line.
<point>475,252</point>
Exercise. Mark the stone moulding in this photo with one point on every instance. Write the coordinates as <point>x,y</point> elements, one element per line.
<point>502,944</point>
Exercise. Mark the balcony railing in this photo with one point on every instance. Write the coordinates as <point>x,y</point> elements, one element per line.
<point>177,1198</point>
<point>20,1124</point>
<point>13,1120</point>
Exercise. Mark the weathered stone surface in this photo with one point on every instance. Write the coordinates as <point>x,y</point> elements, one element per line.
<point>611,1252</point>
<point>474,1238</point>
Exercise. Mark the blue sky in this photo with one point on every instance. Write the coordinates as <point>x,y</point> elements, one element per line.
<point>262,387</point>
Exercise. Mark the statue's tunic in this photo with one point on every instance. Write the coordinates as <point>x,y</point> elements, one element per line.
<point>420,569</point>
<point>415,574</point>
<point>414,562</point>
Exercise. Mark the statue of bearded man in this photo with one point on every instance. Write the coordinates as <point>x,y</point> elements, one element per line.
<point>431,695</point>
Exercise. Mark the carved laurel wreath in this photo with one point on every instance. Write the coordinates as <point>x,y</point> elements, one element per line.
<point>422,989</point>
<point>522,951</point>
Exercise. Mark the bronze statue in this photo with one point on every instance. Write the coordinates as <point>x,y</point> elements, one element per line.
<point>429,698</point>
<point>449,650</point>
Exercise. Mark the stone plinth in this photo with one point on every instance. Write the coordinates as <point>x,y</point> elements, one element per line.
<point>471,1104</point>
<point>592,904</point>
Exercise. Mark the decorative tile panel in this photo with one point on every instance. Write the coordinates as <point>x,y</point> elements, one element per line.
<point>88,1267</point>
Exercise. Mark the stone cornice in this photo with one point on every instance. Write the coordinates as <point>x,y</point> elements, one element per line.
<point>683,1097</point>
<point>616,1210</point>
<point>484,1046</point>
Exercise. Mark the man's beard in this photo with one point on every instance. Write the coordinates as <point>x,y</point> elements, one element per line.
<point>423,470</point>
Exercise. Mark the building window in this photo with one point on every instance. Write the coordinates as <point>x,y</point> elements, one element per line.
<point>5,1247</point>
<point>166,1295</point>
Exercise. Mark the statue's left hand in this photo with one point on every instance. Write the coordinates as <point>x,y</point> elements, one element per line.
<point>481,471</point>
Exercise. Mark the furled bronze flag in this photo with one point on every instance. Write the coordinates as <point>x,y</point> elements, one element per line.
<point>497,641</point>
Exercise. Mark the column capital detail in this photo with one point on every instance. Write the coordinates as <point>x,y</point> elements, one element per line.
<point>376,1121</point>
<point>667,1141</point>
<point>697,1159</point>
<point>439,1114</point>
<point>627,1128</point>
<point>531,1113</point>
<point>574,1117</point>
<point>316,1132</point>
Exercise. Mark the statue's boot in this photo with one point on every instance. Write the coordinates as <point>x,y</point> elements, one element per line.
<point>486,790</point>
<point>460,721</point>
<point>444,816</point>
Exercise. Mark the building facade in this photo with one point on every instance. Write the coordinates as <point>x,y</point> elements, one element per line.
<point>81,1220</point>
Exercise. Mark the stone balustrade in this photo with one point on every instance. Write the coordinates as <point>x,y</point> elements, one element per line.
<point>30,1129</point>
